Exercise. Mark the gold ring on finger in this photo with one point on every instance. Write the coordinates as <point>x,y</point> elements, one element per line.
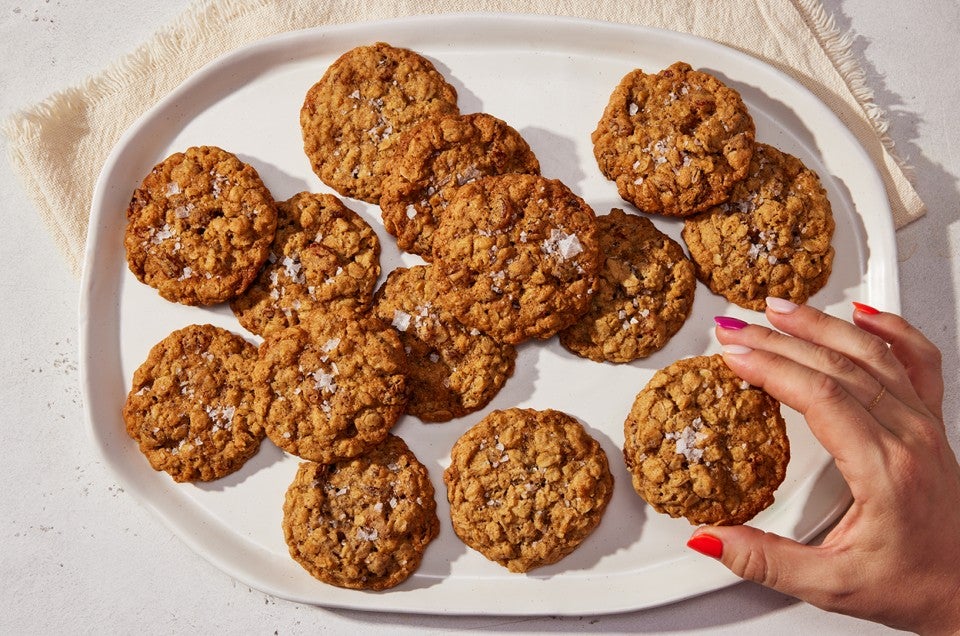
<point>876,399</point>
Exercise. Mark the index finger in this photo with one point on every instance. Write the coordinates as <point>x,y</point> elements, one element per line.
<point>837,419</point>
<point>867,350</point>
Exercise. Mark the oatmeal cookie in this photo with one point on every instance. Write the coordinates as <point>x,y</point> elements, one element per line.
<point>324,257</point>
<point>199,226</point>
<point>434,159</point>
<point>190,408</point>
<point>527,487</point>
<point>644,293</point>
<point>330,387</point>
<point>352,117</point>
<point>452,371</point>
<point>773,238</point>
<point>362,523</point>
<point>519,254</point>
<point>675,142</point>
<point>703,444</point>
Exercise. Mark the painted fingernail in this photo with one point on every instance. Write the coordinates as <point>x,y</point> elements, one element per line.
<point>781,305</point>
<point>706,544</point>
<point>735,349</point>
<point>726,322</point>
<point>867,309</point>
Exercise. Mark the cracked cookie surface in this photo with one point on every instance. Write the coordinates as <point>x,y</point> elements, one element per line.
<point>675,142</point>
<point>773,238</point>
<point>703,444</point>
<point>352,117</point>
<point>190,406</point>
<point>519,256</point>
<point>199,226</point>
<point>330,387</point>
<point>527,487</point>
<point>325,257</point>
<point>452,370</point>
<point>362,523</point>
<point>645,292</point>
<point>434,159</point>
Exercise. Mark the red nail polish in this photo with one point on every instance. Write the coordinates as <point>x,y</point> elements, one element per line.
<point>706,544</point>
<point>726,322</point>
<point>867,309</point>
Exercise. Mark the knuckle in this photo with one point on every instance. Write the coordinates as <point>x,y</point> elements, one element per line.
<point>933,356</point>
<point>827,390</point>
<point>874,348</point>
<point>752,565</point>
<point>767,339</point>
<point>834,363</point>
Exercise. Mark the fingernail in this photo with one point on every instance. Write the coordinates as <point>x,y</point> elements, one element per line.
<point>867,309</point>
<point>781,305</point>
<point>726,322</point>
<point>707,545</point>
<point>735,349</point>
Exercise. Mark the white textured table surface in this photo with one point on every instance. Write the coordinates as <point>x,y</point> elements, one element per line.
<point>81,556</point>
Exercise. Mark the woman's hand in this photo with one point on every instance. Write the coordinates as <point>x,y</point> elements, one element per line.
<point>872,394</point>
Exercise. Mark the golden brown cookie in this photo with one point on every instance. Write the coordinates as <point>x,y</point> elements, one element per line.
<point>644,293</point>
<point>773,238</point>
<point>352,117</point>
<point>325,257</point>
<point>362,523</point>
<point>519,254</point>
<point>675,142</point>
<point>190,407</point>
<point>199,226</point>
<point>703,444</point>
<point>330,387</point>
<point>452,371</point>
<point>434,159</point>
<point>527,487</point>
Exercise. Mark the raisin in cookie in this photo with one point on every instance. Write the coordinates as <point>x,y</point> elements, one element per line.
<point>451,371</point>
<point>352,117</point>
<point>190,408</point>
<point>644,293</point>
<point>773,238</point>
<point>199,226</point>
<point>330,387</point>
<point>703,444</point>
<point>324,257</point>
<point>519,256</point>
<point>362,523</point>
<point>434,159</point>
<point>527,487</point>
<point>675,142</point>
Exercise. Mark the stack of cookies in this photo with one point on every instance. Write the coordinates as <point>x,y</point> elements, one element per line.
<point>508,256</point>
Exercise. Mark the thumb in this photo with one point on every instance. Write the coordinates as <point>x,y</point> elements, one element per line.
<point>765,558</point>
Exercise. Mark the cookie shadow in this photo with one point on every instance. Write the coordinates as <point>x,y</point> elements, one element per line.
<point>762,104</point>
<point>439,557</point>
<point>267,456</point>
<point>521,385</point>
<point>281,184</point>
<point>467,100</point>
<point>621,525</point>
<point>851,250</point>
<point>557,155</point>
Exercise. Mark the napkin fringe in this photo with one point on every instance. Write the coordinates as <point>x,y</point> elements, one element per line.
<point>838,46</point>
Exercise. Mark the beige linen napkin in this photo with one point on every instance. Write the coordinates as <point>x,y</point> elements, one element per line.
<point>59,146</point>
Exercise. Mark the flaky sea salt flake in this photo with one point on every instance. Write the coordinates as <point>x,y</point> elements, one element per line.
<point>561,244</point>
